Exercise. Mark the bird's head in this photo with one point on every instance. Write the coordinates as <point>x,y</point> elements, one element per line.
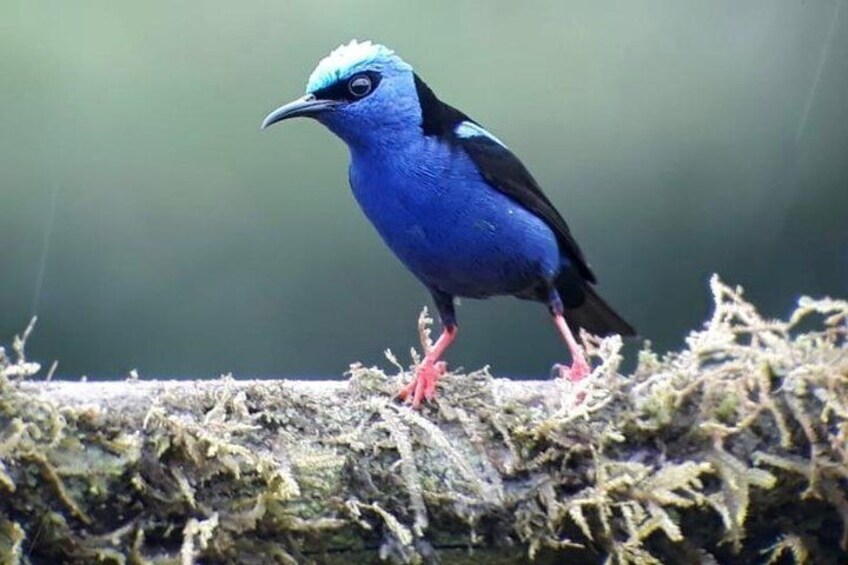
<point>359,91</point>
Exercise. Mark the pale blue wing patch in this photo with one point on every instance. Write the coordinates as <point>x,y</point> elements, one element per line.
<point>348,59</point>
<point>466,129</point>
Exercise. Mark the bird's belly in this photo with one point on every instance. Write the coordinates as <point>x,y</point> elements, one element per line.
<point>461,236</point>
<point>466,264</point>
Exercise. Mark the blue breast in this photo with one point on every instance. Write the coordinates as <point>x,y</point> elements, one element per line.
<point>453,231</point>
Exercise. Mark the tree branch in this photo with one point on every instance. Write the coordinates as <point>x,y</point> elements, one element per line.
<point>734,448</point>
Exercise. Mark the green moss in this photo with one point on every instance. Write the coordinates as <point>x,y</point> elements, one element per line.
<point>12,537</point>
<point>688,458</point>
<point>725,412</point>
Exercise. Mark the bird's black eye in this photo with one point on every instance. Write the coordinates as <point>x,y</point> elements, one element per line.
<point>360,85</point>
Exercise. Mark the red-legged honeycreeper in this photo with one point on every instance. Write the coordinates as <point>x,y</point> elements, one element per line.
<point>451,200</point>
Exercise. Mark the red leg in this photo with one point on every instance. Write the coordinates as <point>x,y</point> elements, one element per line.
<point>423,385</point>
<point>579,367</point>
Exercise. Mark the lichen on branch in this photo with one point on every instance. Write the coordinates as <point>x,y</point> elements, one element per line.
<point>732,450</point>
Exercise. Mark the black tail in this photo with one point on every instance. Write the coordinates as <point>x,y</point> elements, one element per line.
<point>596,316</point>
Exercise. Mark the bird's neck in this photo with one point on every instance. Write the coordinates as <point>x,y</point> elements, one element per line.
<point>385,143</point>
<point>408,161</point>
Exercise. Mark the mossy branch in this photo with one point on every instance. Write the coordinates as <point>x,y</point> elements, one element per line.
<point>733,450</point>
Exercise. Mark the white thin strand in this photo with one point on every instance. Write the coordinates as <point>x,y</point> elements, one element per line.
<point>823,55</point>
<point>45,250</point>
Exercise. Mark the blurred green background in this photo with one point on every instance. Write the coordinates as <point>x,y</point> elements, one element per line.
<point>150,224</point>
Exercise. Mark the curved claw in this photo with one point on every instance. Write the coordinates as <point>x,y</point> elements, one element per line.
<point>423,385</point>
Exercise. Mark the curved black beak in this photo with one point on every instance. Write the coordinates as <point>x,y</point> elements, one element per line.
<point>305,106</point>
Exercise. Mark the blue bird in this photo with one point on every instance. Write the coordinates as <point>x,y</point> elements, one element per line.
<point>451,201</point>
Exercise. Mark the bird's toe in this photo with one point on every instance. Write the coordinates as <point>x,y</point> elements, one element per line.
<point>423,385</point>
<point>578,370</point>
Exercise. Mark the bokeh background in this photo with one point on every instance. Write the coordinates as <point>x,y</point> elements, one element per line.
<point>151,225</point>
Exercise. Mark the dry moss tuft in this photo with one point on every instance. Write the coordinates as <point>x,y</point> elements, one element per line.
<point>733,450</point>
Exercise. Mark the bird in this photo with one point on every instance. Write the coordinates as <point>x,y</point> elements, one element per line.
<point>452,201</point>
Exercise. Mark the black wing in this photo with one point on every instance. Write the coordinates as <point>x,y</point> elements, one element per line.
<point>501,169</point>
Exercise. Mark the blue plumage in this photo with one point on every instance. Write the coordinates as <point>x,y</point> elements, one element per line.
<point>435,211</point>
<point>450,200</point>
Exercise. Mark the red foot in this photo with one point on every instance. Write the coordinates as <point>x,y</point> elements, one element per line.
<point>423,385</point>
<point>579,370</point>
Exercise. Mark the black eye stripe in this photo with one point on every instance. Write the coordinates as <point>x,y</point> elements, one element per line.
<point>341,90</point>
